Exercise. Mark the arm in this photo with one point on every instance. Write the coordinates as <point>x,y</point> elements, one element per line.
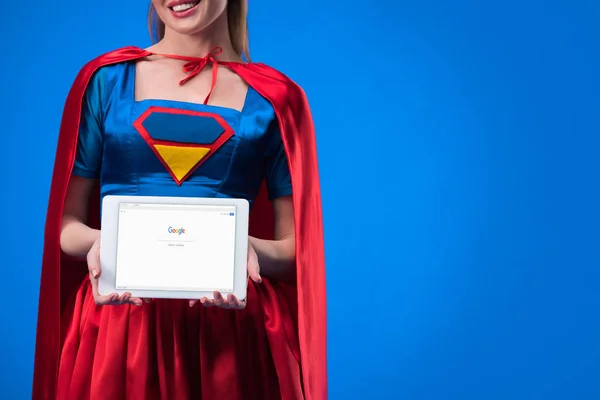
<point>277,257</point>
<point>79,240</point>
<point>76,238</point>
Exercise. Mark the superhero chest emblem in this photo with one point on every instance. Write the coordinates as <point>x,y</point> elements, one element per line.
<point>182,139</point>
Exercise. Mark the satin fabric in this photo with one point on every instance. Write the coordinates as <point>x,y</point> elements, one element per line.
<point>110,148</point>
<point>165,350</point>
<point>285,326</point>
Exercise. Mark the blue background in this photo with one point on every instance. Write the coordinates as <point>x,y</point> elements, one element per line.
<point>459,148</point>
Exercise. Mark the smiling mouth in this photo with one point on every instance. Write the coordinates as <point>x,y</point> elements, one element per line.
<point>184,6</point>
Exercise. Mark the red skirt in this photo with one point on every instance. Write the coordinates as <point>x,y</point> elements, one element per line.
<point>168,350</point>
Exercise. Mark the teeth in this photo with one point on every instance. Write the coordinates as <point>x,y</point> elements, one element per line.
<point>183,7</point>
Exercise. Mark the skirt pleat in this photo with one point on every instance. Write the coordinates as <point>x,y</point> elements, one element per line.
<point>167,350</point>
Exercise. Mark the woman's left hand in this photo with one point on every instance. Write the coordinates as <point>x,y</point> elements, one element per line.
<point>231,301</point>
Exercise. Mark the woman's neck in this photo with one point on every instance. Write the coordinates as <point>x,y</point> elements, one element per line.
<point>199,45</point>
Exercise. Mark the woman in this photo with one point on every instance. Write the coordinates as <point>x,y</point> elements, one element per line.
<point>271,346</point>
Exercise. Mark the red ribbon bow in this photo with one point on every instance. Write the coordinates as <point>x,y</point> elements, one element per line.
<point>195,65</point>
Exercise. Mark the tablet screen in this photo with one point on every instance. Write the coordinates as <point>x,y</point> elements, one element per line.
<point>175,247</point>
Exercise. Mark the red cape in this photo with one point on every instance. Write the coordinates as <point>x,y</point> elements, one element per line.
<point>61,276</point>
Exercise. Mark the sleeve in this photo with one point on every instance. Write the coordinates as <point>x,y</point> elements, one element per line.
<point>90,138</point>
<point>279,182</point>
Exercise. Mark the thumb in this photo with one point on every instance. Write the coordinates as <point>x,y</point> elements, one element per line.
<point>93,261</point>
<point>253,269</point>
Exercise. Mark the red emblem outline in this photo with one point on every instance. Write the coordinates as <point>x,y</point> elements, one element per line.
<point>225,136</point>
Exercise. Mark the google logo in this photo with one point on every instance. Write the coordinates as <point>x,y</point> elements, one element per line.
<point>177,231</point>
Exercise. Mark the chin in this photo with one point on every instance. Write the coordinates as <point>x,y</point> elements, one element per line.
<point>190,16</point>
<point>183,28</point>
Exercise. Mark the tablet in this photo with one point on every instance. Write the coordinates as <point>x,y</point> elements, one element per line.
<point>173,247</point>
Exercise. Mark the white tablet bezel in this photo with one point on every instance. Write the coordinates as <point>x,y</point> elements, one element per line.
<point>109,240</point>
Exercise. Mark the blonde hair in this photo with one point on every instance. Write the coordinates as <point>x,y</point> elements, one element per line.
<point>237,20</point>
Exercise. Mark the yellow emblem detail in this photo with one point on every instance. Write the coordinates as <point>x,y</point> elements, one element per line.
<point>179,159</point>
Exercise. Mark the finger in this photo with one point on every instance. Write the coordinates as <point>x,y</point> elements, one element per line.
<point>219,300</point>
<point>124,298</point>
<point>93,262</point>
<point>254,268</point>
<point>111,299</point>
<point>127,298</point>
<point>193,303</point>
<point>98,298</point>
<point>232,300</point>
<point>207,302</point>
<point>235,302</point>
<point>256,277</point>
<point>107,299</point>
<point>253,272</point>
<point>136,301</point>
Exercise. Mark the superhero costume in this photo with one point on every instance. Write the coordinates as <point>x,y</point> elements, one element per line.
<point>274,348</point>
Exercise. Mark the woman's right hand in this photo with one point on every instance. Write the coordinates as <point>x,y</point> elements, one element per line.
<point>93,262</point>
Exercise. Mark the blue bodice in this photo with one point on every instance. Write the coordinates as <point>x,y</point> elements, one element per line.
<point>170,148</point>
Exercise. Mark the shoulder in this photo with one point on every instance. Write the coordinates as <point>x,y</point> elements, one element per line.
<point>108,64</point>
<point>103,81</point>
<point>128,53</point>
<point>281,87</point>
<point>273,74</point>
<point>107,68</point>
<point>103,75</point>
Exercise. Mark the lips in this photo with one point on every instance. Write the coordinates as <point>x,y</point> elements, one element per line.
<point>182,6</point>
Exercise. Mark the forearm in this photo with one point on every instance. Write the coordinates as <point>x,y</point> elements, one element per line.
<point>76,238</point>
<point>277,258</point>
